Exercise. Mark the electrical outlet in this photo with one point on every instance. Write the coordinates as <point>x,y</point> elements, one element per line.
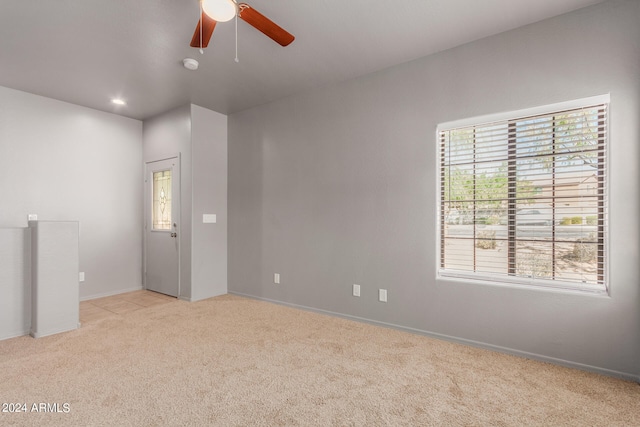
<point>356,290</point>
<point>276,278</point>
<point>382,295</point>
<point>81,276</point>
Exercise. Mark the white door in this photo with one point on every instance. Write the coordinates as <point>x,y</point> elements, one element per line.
<point>161,229</point>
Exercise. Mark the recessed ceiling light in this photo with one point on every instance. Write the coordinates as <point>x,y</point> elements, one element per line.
<point>119,101</point>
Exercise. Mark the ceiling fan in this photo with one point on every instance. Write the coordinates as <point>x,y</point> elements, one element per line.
<point>214,11</point>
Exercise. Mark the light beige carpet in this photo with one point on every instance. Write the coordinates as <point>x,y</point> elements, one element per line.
<point>232,361</point>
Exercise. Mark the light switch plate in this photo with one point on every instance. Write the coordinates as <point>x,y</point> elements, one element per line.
<point>209,218</point>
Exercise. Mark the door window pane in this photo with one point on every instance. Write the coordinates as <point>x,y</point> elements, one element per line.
<point>162,200</point>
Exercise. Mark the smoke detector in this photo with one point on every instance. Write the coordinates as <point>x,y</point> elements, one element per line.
<point>190,64</point>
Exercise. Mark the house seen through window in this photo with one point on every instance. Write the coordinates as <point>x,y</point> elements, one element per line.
<point>524,199</point>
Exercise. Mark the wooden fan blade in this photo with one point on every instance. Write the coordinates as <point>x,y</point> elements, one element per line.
<point>208,25</point>
<point>264,24</point>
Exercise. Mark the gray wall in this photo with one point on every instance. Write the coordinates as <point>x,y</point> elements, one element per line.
<point>66,162</point>
<point>15,282</point>
<point>200,137</point>
<point>338,186</point>
<point>55,303</point>
<point>209,241</point>
<point>164,136</point>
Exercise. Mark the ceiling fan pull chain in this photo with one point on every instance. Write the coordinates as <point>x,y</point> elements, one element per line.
<point>237,60</point>
<point>201,49</point>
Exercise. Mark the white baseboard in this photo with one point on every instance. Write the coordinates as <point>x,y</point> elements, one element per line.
<point>15,334</point>
<point>108,294</point>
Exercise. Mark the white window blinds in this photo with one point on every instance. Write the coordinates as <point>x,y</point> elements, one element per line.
<point>524,199</point>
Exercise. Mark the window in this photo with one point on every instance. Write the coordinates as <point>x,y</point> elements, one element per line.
<point>523,199</point>
<point>161,200</point>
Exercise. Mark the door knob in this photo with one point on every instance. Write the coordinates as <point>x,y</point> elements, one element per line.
<point>174,234</point>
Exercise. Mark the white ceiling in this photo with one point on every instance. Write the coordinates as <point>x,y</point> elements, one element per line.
<point>88,51</point>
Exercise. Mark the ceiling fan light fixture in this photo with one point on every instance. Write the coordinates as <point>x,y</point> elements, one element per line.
<point>220,10</point>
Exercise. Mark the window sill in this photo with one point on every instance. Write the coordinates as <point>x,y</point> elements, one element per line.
<point>522,283</point>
